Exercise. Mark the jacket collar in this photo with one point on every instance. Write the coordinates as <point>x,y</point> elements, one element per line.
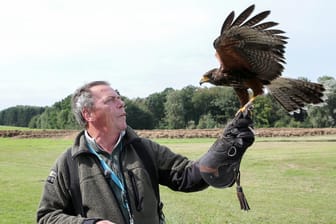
<point>79,146</point>
<point>92,141</point>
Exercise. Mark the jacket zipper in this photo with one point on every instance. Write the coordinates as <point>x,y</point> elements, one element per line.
<point>125,184</point>
<point>138,200</point>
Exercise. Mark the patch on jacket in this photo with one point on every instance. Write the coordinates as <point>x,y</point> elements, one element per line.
<point>52,176</point>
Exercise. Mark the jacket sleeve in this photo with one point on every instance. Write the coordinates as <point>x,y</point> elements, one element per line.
<point>55,204</point>
<point>176,171</point>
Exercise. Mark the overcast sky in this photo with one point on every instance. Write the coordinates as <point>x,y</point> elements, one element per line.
<point>48,48</point>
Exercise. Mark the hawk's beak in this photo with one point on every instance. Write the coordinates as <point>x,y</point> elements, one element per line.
<point>204,79</point>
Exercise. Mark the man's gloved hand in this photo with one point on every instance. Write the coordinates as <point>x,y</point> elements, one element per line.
<point>220,165</point>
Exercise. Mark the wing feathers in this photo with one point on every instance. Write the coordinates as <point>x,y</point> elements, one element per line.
<point>243,16</point>
<point>256,19</point>
<point>294,94</point>
<point>228,21</point>
<point>251,46</point>
<point>265,25</point>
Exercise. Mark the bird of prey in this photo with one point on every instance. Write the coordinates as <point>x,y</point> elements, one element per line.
<point>251,56</point>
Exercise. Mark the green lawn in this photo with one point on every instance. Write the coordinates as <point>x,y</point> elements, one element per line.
<point>3,127</point>
<point>285,181</point>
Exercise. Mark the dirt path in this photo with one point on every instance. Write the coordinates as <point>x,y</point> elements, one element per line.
<point>180,133</point>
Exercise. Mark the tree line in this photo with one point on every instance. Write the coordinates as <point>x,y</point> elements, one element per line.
<point>191,107</point>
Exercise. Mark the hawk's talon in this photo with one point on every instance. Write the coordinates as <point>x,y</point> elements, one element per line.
<point>246,109</point>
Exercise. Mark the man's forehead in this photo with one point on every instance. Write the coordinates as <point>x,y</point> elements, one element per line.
<point>99,89</point>
<point>102,92</point>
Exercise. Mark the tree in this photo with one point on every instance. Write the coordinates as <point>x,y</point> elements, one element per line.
<point>174,110</point>
<point>137,116</point>
<point>330,83</point>
<point>206,121</point>
<point>324,115</point>
<point>19,115</point>
<point>263,112</point>
<point>155,105</point>
<point>223,105</point>
<point>189,107</point>
<point>190,115</point>
<point>58,116</point>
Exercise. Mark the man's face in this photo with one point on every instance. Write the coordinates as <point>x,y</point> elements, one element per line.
<point>109,110</point>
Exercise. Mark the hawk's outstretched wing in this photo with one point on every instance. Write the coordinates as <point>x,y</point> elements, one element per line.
<point>294,94</point>
<point>250,47</point>
<point>251,56</point>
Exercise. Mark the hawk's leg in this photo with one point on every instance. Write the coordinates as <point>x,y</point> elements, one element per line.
<point>247,107</point>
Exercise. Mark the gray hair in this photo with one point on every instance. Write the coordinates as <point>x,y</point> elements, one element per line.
<point>82,98</point>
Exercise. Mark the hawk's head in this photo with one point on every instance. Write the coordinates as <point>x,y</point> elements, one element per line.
<point>210,77</point>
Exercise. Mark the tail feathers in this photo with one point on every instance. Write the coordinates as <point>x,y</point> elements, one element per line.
<point>294,94</point>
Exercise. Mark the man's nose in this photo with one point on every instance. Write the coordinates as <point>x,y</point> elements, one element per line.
<point>121,103</point>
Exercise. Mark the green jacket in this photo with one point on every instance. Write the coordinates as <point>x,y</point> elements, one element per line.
<point>173,170</point>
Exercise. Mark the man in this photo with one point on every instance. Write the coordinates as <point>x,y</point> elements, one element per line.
<point>116,184</point>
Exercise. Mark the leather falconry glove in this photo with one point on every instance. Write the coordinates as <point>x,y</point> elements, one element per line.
<point>219,167</point>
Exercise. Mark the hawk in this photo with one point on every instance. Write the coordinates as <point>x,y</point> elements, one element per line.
<point>251,56</point>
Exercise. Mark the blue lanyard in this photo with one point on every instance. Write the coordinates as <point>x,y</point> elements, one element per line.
<point>107,169</point>
<point>115,179</point>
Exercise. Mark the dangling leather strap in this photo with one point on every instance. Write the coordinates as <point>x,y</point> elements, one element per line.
<point>241,196</point>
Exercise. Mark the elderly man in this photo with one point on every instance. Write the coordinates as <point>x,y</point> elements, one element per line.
<point>111,175</point>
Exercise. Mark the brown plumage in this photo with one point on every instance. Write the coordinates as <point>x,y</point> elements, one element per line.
<point>251,56</point>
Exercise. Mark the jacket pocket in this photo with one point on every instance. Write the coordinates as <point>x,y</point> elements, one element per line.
<point>137,198</point>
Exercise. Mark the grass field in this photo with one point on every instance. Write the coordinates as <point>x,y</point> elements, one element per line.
<point>285,181</point>
<point>4,127</point>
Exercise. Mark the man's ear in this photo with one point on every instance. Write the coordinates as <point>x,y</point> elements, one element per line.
<point>87,115</point>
